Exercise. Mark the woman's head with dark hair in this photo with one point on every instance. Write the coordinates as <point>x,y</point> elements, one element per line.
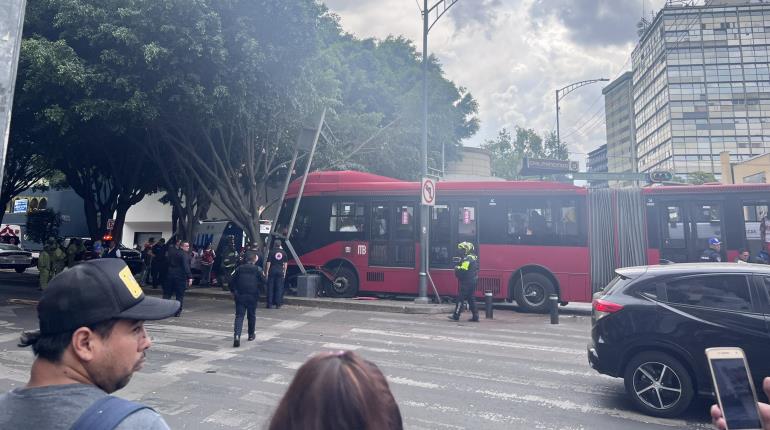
<point>338,391</point>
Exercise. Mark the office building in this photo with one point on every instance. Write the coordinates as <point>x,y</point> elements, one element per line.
<point>621,133</point>
<point>701,86</point>
<point>597,163</point>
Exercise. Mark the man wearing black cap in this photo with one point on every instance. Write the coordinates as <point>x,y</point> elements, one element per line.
<point>91,341</point>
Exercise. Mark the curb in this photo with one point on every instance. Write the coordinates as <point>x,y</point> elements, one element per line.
<point>387,306</point>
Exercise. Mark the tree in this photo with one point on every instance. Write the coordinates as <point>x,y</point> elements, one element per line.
<point>700,178</point>
<point>508,153</point>
<point>378,117</point>
<point>42,224</point>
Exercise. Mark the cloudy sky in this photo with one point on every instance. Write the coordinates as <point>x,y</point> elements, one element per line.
<point>513,54</point>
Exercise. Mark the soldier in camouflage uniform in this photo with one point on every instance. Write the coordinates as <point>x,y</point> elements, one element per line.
<point>44,265</point>
<point>58,258</point>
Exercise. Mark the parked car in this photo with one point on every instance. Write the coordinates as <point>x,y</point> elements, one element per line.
<point>13,257</point>
<point>652,324</point>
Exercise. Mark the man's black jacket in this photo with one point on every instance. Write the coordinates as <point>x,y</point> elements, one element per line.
<point>178,264</point>
<point>246,280</point>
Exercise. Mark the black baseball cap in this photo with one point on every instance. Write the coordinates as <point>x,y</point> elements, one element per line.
<point>96,291</point>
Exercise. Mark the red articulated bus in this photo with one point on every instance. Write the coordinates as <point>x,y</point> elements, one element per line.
<point>361,232</point>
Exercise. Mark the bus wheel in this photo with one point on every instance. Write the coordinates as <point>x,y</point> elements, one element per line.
<point>532,292</point>
<point>344,283</point>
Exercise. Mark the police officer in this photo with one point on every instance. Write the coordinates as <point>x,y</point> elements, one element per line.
<point>467,273</point>
<point>711,254</point>
<point>276,273</point>
<point>244,285</point>
<point>44,263</point>
<point>179,276</point>
<point>229,261</point>
<point>75,252</point>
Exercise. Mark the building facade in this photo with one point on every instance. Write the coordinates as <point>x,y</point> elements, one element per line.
<point>597,163</point>
<point>621,133</point>
<point>701,86</point>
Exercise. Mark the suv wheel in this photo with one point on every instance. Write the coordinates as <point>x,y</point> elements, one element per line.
<point>658,384</point>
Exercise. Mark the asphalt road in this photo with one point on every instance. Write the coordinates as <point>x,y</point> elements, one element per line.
<point>514,372</point>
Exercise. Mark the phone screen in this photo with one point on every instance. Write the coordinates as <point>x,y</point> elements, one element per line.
<point>739,406</point>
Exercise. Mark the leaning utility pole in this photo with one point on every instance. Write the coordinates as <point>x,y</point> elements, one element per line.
<point>11,24</point>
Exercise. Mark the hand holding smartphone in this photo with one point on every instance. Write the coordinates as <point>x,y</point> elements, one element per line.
<point>738,408</point>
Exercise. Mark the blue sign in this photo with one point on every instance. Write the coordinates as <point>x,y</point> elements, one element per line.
<point>20,206</point>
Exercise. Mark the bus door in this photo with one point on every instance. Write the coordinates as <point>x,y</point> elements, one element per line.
<point>441,249</point>
<point>392,234</point>
<point>687,227</point>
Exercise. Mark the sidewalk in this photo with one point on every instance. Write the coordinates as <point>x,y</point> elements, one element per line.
<point>368,304</point>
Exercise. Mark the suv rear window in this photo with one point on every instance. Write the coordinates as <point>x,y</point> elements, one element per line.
<point>618,282</point>
<point>729,292</point>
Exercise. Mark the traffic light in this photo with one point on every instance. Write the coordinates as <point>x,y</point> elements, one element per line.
<point>660,176</point>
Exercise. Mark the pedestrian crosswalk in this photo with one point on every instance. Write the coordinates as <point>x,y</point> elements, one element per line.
<point>516,371</point>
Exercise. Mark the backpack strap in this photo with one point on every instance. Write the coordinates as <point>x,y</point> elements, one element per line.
<point>106,413</point>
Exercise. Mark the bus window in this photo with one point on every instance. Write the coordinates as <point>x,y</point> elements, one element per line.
<point>708,219</point>
<point>404,228</point>
<point>466,226</point>
<point>673,233</point>
<point>753,216</point>
<point>346,217</point>
<point>440,236</point>
<point>379,226</point>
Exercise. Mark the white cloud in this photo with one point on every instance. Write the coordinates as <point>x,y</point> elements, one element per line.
<point>511,61</point>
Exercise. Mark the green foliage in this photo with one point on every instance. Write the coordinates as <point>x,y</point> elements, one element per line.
<point>700,178</point>
<point>42,224</point>
<point>214,93</point>
<point>508,153</point>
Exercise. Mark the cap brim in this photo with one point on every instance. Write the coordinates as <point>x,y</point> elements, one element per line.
<point>150,309</point>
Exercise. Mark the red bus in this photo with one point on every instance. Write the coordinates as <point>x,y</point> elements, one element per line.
<point>360,231</point>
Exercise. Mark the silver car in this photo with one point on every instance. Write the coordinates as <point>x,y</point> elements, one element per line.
<point>13,257</point>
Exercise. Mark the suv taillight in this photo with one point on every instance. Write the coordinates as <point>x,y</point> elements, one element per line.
<point>603,307</point>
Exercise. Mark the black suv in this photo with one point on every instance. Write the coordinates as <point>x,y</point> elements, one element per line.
<point>652,324</point>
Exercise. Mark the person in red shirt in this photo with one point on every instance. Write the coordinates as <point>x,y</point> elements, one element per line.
<point>207,262</point>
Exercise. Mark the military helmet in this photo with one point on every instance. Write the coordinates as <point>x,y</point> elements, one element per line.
<point>465,247</point>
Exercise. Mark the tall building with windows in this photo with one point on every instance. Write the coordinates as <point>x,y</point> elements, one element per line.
<point>597,163</point>
<point>621,133</point>
<point>701,86</point>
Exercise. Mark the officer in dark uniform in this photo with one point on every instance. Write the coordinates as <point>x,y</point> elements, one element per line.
<point>244,285</point>
<point>276,273</point>
<point>711,254</point>
<point>467,273</point>
<point>228,263</point>
<point>179,276</point>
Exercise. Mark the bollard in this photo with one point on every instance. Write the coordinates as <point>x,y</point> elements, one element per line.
<point>488,304</point>
<point>554,299</point>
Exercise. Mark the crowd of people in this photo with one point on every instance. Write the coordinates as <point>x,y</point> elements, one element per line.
<point>58,254</point>
<point>92,339</point>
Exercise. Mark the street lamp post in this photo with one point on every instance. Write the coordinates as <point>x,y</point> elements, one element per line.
<point>562,92</point>
<point>430,15</point>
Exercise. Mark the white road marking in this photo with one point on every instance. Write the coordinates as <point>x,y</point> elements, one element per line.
<point>14,374</point>
<point>318,313</point>
<point>9,337</point>
<point>276,378</point>
<point>568,405</point>
<point>232,418</point>
<point>349,347</point>
<point>262,397</point>
<point>288,325</point>
<point>412,383</point>
<point>470,341</point>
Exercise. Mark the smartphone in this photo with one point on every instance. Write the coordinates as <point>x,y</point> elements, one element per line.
<point>735,388</point>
